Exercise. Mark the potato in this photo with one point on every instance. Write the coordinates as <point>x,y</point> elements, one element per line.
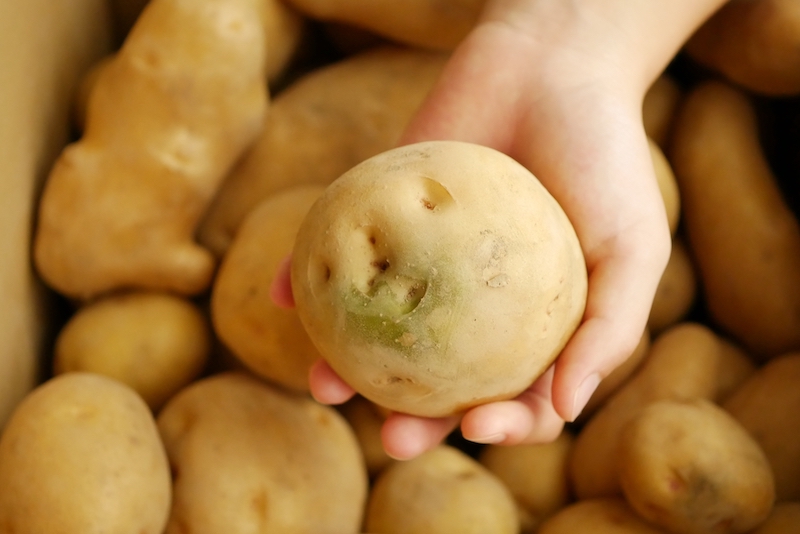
<point>609,515</point>
<point>677,290</point>
<point>81,453</point>
<point>320,126</point>
<point>438,276</point>
<point>249,457</point>
<point>667,185</point>
<point>744,238</point>
<point>440,492</point>
<point>755,44</point>
<point>423,23</point>
<point>784,519</point>
<point>536,474</point>
<point>269,340</point>
<point>156,343</point>
<point>767,404</point>
<point>686,361</point>
<point>167,119</point>
<point>367,421</point>
<point>658,108</point>
<point>691,468</point>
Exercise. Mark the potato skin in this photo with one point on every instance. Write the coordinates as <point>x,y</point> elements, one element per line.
<point>767,404</point>
<point>691,468</point>
<point>154,342</point>
<point>81,453</point>
<point>609,515</point>
<point>744,238</point>
<point>439,492</point>
<point>438,276</point>
<point>269,340</point>
<point>250,457</point>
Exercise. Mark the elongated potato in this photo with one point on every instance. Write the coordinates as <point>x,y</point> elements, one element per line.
<point>689,467</point>
<point>667,185</point>
<point>249,457</point>
<point>81,453</point>
<point>744,238</point>
<point>269,340</point>
<point>438,276</point>
<point>322,125</point>
<point>166,120</point>
<point>610,515</point>
<point>536,475</point>
<point>433,24</point>
<point>755,44</point>
<point>767,404</point>
<point>685,361</point>
<point>156,343</point>
<point>440,492</point>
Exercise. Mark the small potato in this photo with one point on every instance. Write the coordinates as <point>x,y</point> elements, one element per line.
<point>156,343</point>
<point>536,474</point>
<point>767,404</point>
<point>677,290</point>
<point>438,276</point>
<point>269,340</point>
<point>367,420</point>
<point>249,457</point>
<point>440,492</point>
<point>658,109</point>
<point>81,454</point>
<point>667,185</point>
<point>610,515</point>
<point>691,468</point>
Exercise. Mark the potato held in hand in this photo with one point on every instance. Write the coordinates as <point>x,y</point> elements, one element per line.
<point>438,276</point>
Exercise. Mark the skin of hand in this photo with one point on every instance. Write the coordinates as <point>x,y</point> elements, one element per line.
<point>558,85</point>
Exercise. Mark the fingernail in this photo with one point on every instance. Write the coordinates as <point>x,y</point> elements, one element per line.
<point>489,440</point>
<point>583,394</point>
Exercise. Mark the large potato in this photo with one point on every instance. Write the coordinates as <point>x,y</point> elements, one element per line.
<point>81,454</point>
<point>744,238</point>
<point>440,492</point>
<point>438,276</point>
<point>249,457</point>
<point>610,515</point>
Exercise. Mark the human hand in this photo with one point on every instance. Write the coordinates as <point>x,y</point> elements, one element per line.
<point>571,113</point>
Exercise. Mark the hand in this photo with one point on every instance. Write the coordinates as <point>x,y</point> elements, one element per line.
<point>571,113</point>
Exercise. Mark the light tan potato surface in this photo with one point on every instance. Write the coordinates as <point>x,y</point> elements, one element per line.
<point>440,492</point>
<point>269,340</point>
<point>438,276</point>
<point>320,126</point>
<point>156,343</point>
<point>536,474</point>
<point>249,457</point>
<point>81,453</point>
<point>677,290</point>
<point>691,468</point>
<point>610,515</point>
<point>744,238</point>
<point>767,404</point>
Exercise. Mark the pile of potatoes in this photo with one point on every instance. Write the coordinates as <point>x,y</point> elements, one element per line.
<point>178,399</point>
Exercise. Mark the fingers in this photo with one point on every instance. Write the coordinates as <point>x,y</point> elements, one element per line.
<point>281,289</point>
<point>326,386</point>
<point>406,436</point>
<point>529,418</point>
<point>621,289</point>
